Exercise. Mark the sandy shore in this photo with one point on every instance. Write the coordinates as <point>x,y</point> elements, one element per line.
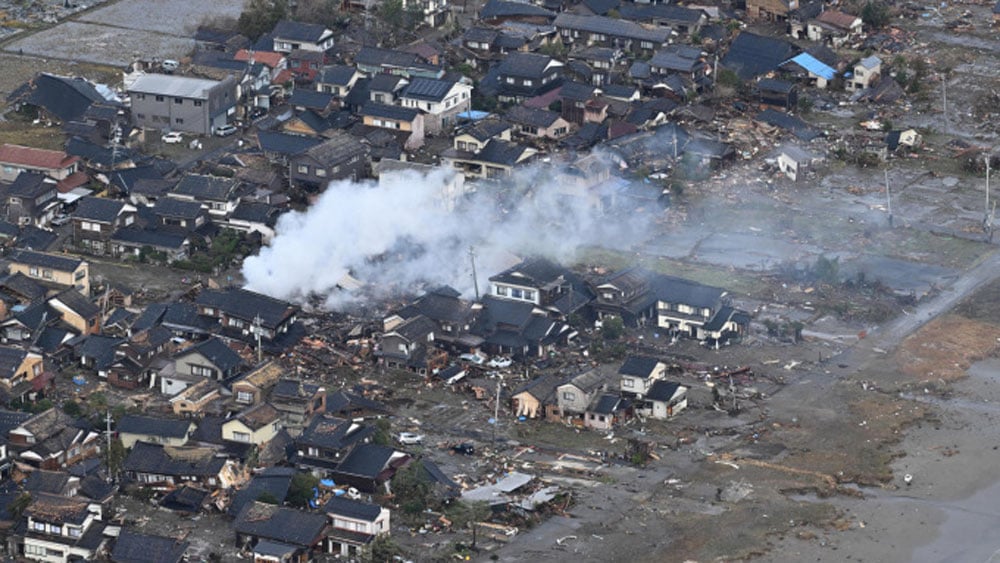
<point>950,511</point>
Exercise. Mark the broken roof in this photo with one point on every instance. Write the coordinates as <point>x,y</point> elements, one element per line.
<point>184,461</point>
<point>751,55</point>
<point>150,426</point>
<point>282,524</point>
<point>135,547</point>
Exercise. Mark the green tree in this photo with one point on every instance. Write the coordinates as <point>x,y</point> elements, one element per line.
<point>382,550</point>
<point>383,435</point>
<point>412,488</point>
<point>72,408</point>
<point>827,269</point>
<point>468,515</point>
<point>114,458</point>
<point>393,13</point>
<point>612,328</point>
<point>875,14</point>
<point>268,498</point>
<point>17,507</point>
<point>260,17</point>
<point>300,491</point>
<point>729,79</point>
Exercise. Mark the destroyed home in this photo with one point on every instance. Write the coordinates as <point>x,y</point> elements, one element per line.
<point>52,440</point>
<point>297,402</point>
<point>327,439</point>
<point>256,425</point>
<point>166,467</point>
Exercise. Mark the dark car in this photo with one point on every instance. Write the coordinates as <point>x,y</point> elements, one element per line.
<point>465,448</point>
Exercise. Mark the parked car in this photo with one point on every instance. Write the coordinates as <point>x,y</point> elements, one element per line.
<point>225,130</point>
<point>172,137</point>
<point>465,448</point>
<point>258,112</point>
<point>60,220</point>
<point>473,359</point>
<point>500,362</point>
<point>409,438</point>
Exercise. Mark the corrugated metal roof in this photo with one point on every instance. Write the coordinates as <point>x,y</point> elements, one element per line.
<point>814,66</point>
<point>168,85</point>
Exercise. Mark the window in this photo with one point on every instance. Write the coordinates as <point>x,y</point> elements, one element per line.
<point>159,98</point>
<point>529,295</point>
<point>321,172</point>
<point>628,382</point>
<point>510,80</point>
<point>244,396</point>
<point>303,169</point>
<point>528,82</point>
<point>241,436</point>
<point>178,120</point>
<point>39,526</point>
<point>198,103</point>
<point>238,323</point>
<point>30,549</point>
<point>140,116</point>
<point>569,395</point>
<point>516,293</point>
<point>501,290</point>
<point>55,529</point>
<point>33,271</point>
<point>178,100</point>
<point>47,274</point>
<point>202,371</point>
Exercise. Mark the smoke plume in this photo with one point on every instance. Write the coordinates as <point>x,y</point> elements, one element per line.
<point>398,235</point>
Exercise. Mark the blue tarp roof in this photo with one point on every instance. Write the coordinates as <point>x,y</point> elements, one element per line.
<point>473,115</point>
<point>814,65</point>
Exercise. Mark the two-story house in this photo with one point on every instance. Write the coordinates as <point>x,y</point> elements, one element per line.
<point>337,80</point>
<point>167,431</point>
<point>208,359</point>
<point>433,12</point>
<point>32,199</point>
<point>341,157</point>
<point>453,317</point>
<point>256,425</point>
<point>525,75</point>
<point>247,314</point>
<point>625,294</point>
<point>300,532</point>
<point>134,547</point>
<point>834,27</point>
<point>218,195</point>
<point>165,467</point>
<point>327,439</point>
<point>96,219</point>
<point>377,60</point>
<point>77,311</point>
<point>575,395</point>
<point>771,10</point>
<point>297,402</point>
<point>474,137</point>
<point>172,214</point>
<point>353,525</point>
<point>610,32</point>
<point>51,269</point>
<point>409,345</point>
<point>292,35</point>
<point>440,100</point>
<point>519,328</point>
<point>409,121</point>
<point>52,440</point>
<point>496,160</point>
<point>15,159</point>
<point>665,399</point>
<point>685,307</point>
<point>19,367</point>
<point>543,283</point>
<point>866,73</point>
<point>638,373</point>
<point>252,388</point>
<point>195,105</point>
<point>61,529</point>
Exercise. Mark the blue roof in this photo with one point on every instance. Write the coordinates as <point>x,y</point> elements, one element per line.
<point>814,65</point>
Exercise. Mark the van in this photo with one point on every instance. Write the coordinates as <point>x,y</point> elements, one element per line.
<point>170,65</point>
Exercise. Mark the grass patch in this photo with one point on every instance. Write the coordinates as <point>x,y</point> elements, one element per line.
<point>18,132</point>
<point>945,348</point>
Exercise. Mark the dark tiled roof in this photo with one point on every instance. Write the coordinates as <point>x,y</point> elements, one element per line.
<point>527,65</point>
<point>35,238</point>
<point>428,89</point>
<point>298,31</point>
<point>498,151</point>
<point>66,98</point>
<point>99,209</point>
<point>386,83</point>
<point>134,547</point>
<point>339,75</point>
<point>10,420</point>
<point>248,305</point>
<point>772,85</point>
<point>605,404</point>
<point>532,116</point>
<point>662,390</point>
<point>509,9</point>
<point>217,352</point>
<point>334,433</point>
<point>311,99</point>
<point>541,388</point>
<point>30,185</point>
<point>278,523</point>
<point>611,27</point>
<point>366,460</point>
<point>273,481</point>
<point>41,481</point>
<point>150,426</point>
<point>53,261</point>
<point>173,207</point>
<point>75,301</point>
<point>638,366</point>
<point>486,129</point>
<point>345,402</point>
<point>751,55</point>
<point>348,508</point>
<point>130,179</point>
<point>176,462</point>
<point>155,238</point>
<point>534,272</point>
<point>384,111</point>
<point>284,143</point>
<point>203,187</point>
<point>340,147</point>
<point>255,212</point>
<point>790,123</point>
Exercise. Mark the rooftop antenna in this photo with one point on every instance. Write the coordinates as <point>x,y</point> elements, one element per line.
<point>475,279</point>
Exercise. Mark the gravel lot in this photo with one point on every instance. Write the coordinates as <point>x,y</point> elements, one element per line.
<point>117,34</point>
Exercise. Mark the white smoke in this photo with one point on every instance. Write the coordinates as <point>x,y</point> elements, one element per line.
<point>398,235</point>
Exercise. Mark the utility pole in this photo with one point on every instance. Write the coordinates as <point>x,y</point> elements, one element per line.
<point>944,102</point>
<point>107,438</point>
<point>257,330</point>
<point>888,197</point>
<point>496,411</point>
<point>475,279</point>
<point>986,212</point>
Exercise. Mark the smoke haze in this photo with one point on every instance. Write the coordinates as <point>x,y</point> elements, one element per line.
<point>398,236</point>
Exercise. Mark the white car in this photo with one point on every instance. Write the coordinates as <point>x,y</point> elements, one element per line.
<point>225,130</point>
<point>473,359</point>
<point>172,137</point>
<point>500,362</point>
<point>409,438</point>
